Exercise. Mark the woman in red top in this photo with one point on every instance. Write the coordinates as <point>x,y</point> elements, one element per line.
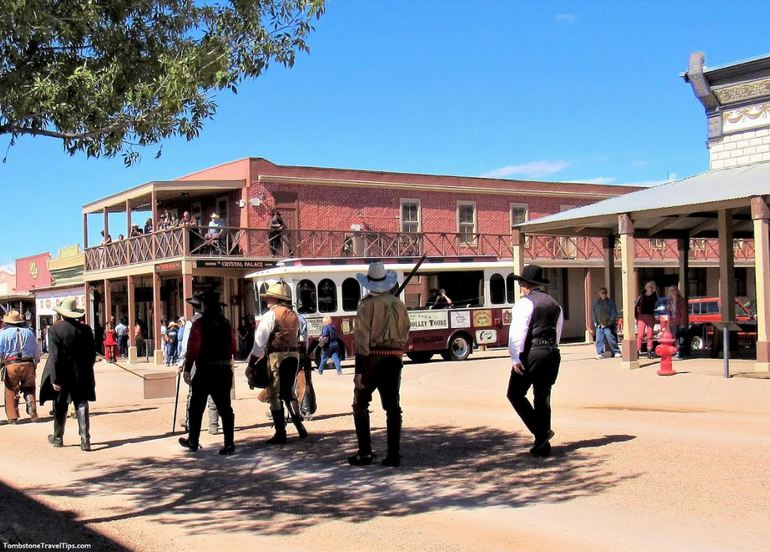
<point>110,344</point>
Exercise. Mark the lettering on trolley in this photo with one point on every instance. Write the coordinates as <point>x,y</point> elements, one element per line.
<point>428,321</point>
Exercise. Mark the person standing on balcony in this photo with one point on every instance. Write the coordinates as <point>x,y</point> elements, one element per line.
<point>678,320</point>
<point>148,226</point>
<point>605,315</point>
<point>275,233</point>
<point>214,233</point>
<point>106,238</point>
<point>533,343</point>
<point>644,311</point>
<point>381,333</point>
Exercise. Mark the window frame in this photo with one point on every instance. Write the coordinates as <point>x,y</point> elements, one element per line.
<point>511,207</point>
<point>402,202</point>
<point>462,203</point>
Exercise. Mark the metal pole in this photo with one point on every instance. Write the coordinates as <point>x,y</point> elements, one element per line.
<point>176,401</point>
<point>726,351</point>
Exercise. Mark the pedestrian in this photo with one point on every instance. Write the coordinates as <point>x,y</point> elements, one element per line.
<point>381,333</point>
<point>329,346</point>
<point>533,343</point>
<point>69,372</point>
<point>605,316</point>
<point>121,330</point>
<point>245,332</point>
<point>275,233</point>
<point>110,344</point>
<point>172,339</point>
<point>276,339</point>
<point>19,356</point>
<point>678,321</point>
<point>210,349</point>
<point>644,311</point>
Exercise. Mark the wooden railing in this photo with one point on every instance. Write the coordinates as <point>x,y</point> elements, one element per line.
<point>257,243</point>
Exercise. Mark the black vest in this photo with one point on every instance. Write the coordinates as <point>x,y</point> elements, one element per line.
<point>216,342</point>
<point>545,316</point>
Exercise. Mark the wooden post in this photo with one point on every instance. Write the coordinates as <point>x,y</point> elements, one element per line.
<point>187,289</point>
<point>760,213</point>
<point>107,304</point>
<point>133,353</point>
<point>588,306</point>
<point>85,231</point>
<point>87,305</point>
<point>517,246</point>
<point>683,247</point>
<point>153,238</point>
<point>106,216</point>
<point>155,333</point>
<point>608,244</point>
<point>628,282</point>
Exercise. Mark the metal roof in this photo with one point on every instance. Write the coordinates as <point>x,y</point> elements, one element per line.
<point>685,205</point>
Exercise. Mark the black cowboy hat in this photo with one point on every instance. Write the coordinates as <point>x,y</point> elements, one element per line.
<point>532,274</point>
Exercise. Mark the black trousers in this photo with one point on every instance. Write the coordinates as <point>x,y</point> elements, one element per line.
<point>680,335</point>
<point>541,367</point>
<point>383,374</point>
<point>216,381</point>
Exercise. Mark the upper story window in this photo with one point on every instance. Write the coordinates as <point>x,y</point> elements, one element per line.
<point>519,213</point>
<point>410,215</point>
<point>327,296</point>
<point>466,221</point>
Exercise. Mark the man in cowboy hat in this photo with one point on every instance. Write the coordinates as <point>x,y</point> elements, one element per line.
<point>19,354</point>
<point>381,332</point>
<point>533,342</point>
<point>69,372</point>
<point>277,337</point>
<point>210,349</point>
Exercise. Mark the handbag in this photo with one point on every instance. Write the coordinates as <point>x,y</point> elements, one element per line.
<point>257,374</point>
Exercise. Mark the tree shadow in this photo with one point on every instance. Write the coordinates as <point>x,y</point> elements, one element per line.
<point>282,490</point>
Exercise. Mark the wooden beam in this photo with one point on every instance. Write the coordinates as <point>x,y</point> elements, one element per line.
<point>705,225</point>
<point>664,224</point>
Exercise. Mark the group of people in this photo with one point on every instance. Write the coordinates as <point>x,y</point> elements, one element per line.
<point>605,316</point>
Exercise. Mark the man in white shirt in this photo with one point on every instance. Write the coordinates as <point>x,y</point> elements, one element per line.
<point>533,343</point>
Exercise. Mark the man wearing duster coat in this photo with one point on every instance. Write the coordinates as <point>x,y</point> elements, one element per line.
<point>69,372</point>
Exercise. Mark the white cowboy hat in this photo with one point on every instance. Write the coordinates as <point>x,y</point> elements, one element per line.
<point>214,215</point>
<point>14,317</point>
<point>378,279</point>
<point>68,308</point>
<point>278,290</point>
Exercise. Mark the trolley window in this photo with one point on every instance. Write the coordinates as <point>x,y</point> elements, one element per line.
<point>509,282</point>
<point>306,297</point>
<point>496,289</point>
<point>327,296</point>
<point>351,294</point>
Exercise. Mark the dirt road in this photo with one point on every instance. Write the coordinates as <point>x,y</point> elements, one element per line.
<point>640,462</point>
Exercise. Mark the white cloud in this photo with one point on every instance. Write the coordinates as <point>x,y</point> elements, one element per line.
<point>533,169</point>
<point>597,180</point>
<point>8,267</point>
<point>646,183</point>
<point>565,18</point>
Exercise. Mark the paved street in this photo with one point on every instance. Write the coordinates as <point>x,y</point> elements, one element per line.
<point>640,462</point>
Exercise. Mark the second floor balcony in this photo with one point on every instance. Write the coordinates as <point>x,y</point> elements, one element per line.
<point>259,244</point>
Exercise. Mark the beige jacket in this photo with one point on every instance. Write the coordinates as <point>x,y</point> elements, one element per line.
<point>382,321</point>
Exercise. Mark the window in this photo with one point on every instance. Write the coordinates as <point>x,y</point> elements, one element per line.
<point>327,296</point>
<point>466,221</point>
<point>410,215</point>
<point>496,289</point>
<point>658,244</point>
<point>306,297</point>
<point>509,283</point>
<point>351,294</point>
<point>712,307</point>
<point>519,213</point>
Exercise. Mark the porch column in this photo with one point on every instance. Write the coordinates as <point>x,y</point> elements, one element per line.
<point>106,216</point>
<point>517,246</point>
<point>226,293</point>
<point>128,218</point>
<point>628,282</point>
<point>107,303</point>
<point>85,231</point>
<point>155,333</point>
<point>187,289</point>
<point>87,303</point>
<point>760,213</point>
<point>608,244</point>
<point>153,239</point>
<point>132,348</point>
<point>683,247</point>
<point>588,306</point>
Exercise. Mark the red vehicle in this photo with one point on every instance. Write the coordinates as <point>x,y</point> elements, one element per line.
<point>703,311</point>
<point>481,290</point>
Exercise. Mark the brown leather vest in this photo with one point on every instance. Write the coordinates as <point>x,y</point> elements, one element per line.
<point>285,336</point>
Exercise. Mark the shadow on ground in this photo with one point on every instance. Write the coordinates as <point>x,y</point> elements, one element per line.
<point>282,490</point>
<point>25,521</point>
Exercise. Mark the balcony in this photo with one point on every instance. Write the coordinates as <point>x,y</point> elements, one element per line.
<point>251,243</point>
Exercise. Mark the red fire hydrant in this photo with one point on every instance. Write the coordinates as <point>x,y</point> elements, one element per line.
<point>665,351</point>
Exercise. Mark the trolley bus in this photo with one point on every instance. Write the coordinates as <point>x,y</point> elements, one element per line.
<point>481,290</point>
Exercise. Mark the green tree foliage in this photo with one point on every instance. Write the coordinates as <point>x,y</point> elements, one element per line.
<point>106,76</point>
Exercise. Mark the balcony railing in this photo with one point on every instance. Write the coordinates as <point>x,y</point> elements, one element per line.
<point>257,243</point>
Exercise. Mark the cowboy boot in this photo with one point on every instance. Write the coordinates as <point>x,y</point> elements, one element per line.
<point>11,406</point>
<point>279,421</point>
<point>84,426</point>
<point>59,419</point>
<point>393,459</point>
<point>364,456</point>
<point>296,419</point>
<point>31,407</point>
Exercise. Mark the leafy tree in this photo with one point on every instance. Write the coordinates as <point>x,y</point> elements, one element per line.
<point>105,76</point>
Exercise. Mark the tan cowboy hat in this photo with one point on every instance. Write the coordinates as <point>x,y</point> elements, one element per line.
<point>278,290</point>
<point>173,325</point>
<point>68,308</point>
<point>14,317</point>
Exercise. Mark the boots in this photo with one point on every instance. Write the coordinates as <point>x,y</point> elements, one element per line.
<point>393,459</point>
<point>84,426</point>
<point>31,406</point>
<point>279,420</point>
<point>296,419</point>
<point>59,419</point>
<point>11,405</point>
<point>364,456</point>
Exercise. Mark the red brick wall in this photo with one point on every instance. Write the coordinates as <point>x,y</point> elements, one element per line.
<point>32,272</point>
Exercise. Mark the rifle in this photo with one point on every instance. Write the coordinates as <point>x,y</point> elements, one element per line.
<point>410,275</point>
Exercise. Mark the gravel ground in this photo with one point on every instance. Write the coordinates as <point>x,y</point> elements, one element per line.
<point>640,462</point>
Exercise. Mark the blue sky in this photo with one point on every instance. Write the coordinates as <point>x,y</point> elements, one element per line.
<point>560,91</point>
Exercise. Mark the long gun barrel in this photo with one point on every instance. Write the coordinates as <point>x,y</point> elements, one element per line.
<point>410,275</point>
